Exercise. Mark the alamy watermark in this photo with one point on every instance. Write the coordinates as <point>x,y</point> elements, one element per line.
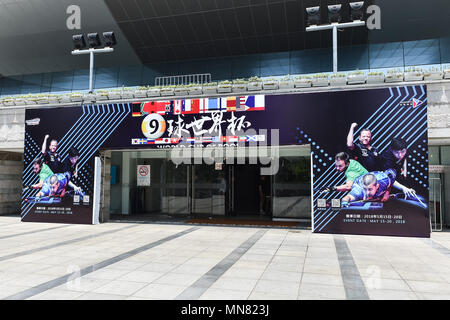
<point>73,281</point>
<point>374,20</point>
<point>242,147</point>
<point>373,280</point>
<point>73,21</point>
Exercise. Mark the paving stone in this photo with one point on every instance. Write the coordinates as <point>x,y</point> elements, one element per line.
<point>212,263</point>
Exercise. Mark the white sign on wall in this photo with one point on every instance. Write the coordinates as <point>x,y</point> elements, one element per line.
<point>143,175</point>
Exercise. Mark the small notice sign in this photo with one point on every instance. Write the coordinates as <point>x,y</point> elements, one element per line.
<point>143,175</point>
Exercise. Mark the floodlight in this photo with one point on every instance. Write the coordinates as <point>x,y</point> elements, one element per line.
<point>93,47</point>
<point>334,13</point>
<point>93,40</point>
<point>79,41</point>
<point>313,16</point>
<point>109,38</point>
<point>356,10</point>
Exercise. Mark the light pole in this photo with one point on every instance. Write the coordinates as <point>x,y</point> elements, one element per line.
<point>94,44</point>
<point>333,13</point>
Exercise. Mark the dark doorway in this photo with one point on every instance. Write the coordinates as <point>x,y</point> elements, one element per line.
<point>244,197</point>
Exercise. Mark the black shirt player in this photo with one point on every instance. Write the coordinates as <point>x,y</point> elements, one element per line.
<point>70,164</point>
<point>51,157</point>
<point>362,151</point>
<point>395,157</point>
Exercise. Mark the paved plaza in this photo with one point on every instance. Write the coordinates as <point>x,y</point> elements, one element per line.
<point>173,261</point>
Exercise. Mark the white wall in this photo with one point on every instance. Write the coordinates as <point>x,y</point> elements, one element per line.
<point>12,129</point>
<point>439,113</point>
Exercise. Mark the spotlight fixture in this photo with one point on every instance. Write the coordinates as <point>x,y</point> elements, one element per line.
<point>334,18</point>
<point>356,10</point>
<point>79,41</point>
<point>93,47</point>
<point>93,40</point>
<point>334,13</point>
<point>109,38</point>
<point>313,18</point>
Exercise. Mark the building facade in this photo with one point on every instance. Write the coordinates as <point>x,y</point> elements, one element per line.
<point>229,54</point>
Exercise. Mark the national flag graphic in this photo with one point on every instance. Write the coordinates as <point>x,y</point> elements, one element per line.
<point>142,141</point>
<point>231,103</point>
<point>255,103</point>
<point>204,105</point>
<point>240,105</point>
<point>177,106</point>
<point>191,106</point>
<point>164,141</point>
<point>259,137</point>
<point>136,110</point>
<point>225,139</point>
<point>213,104</point>
<point>223,104</point>
<point>186,106</point>
<point>158,107</point>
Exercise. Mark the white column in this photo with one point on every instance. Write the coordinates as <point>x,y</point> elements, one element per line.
<point>335,66</point>
<point>91,70</point>
<point>126,183</point>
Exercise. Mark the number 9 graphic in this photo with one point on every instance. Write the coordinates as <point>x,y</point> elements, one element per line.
<point>153,126</point>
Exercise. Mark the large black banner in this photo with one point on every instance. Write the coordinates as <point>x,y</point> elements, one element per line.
<point>369,150</point>
<point>60,146</point>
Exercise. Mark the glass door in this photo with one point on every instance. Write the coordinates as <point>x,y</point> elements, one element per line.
<point>177,189</point>
<point>292,184</point>
<point>208,190</point>
<point>435,202</point>
<point>249,193</point>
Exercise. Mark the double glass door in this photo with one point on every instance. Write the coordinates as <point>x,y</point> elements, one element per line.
<point>210,190</point>
<point>175,189</point>
<point>193,190</point>
<point>207,190</point>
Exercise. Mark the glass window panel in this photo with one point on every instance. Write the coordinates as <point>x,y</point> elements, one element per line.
<point>292,184</point>
<point>433,154</point>
<point>445,155</point>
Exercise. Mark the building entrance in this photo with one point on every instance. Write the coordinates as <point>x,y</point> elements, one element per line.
<point>200,190</point>
<point>248,191</point>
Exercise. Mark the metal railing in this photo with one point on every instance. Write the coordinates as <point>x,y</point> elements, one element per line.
<point>183,79</point>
